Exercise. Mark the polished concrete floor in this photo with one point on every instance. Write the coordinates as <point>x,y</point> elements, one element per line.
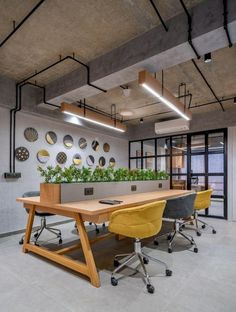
<point>201,282</point>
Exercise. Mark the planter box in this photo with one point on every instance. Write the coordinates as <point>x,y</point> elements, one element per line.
<point>72,192</point>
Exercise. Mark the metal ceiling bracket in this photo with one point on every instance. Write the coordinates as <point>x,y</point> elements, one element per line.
<point>189,29</point>
<point>225,14</point>
<point>159,15</point>
<point>15,28</point>
<point>209,86</point>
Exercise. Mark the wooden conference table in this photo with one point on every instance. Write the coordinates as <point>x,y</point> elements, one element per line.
<point>89,210</point>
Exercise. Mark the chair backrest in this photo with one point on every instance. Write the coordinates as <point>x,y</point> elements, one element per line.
<point>138,222</point>
<point>180,207</point>
<point>31,194</point>
<point>203,200</point>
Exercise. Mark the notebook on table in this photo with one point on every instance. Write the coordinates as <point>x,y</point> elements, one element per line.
<point>110,201</point>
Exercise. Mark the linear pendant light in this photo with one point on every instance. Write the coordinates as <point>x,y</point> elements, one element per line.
<point>93,117</point>
<point>147,81</point>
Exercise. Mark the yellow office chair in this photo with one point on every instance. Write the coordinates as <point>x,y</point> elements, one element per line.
<point>202,201</point>
<point>139,222</point>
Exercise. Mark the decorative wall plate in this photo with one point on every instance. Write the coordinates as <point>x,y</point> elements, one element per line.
<point>82,143</point>
<point>51,137</point>
<point>68,141</point>
<point>61,158</point>
<point>21,153</point>
<point>102,161</point>
<point>112,162</point>
<point>77,159</point>
<point>106,147</point>
<point>31,134</point>
<point>43,156</point>
<point>90,160</point>
<point>95,145</point>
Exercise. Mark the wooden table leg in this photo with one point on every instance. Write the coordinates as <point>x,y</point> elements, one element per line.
<point>29,226</point>
<point>88,254</point>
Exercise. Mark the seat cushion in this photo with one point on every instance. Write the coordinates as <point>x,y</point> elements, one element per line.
<point>138,222</point>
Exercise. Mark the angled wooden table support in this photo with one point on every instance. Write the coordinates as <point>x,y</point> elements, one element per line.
<point>90,210</point>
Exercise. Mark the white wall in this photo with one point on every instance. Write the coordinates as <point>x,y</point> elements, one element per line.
<point>232,173</point>
<point>12,216</point>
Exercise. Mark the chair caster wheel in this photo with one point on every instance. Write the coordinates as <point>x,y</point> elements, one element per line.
<point>203,226</point>
<point>90,223</point>
<point>181,229</point>
<point>183,226</point>
<point>21,242</point>
<point>150,289</point>
<point>103,224</point>
<point>155,242</point>
<point>145,260</point>
<point>199,234</point>
<point>169,237</point>
<point>60,241</point>
<point>97,231</point>
<point>168,272</point>
<point>213,231</point>
<point>116,263</point>
<point>36,235</point>
<point>114,281</point>
<point>170,250</point>
<point>195,250</point>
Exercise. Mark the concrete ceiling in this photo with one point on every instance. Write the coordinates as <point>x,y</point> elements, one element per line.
<point>89,28</point>
<point>220,73</point>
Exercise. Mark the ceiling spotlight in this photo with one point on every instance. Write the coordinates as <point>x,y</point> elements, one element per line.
<point>126,113</point>
<point>207,58</point>
<point>141,120</point>
<point>126,92</point>
<point>235,100</point>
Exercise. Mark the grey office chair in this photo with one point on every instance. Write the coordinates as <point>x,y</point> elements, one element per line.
<point>178,209</point>
<point>37,232</point>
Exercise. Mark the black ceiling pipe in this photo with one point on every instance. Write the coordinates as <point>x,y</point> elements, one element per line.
<point>17,107</point>
<point>159,15</point>
<point>189,29</point>
<point>209,86</point>
<point>21,23</point>
<point>190,107</point>
<point>225,14</point>
<point>212,102</point>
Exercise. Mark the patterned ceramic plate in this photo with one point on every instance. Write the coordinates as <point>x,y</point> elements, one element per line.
<point>82,143</point>
<point>51,137</point>
<point>68,141</point>
<point>43,156</point>
<point>95,145</point>
<point>90,160</point>
<point>77,160</point>
<point>31,134</point>
<point>21,153</point>
<point>61,158</point>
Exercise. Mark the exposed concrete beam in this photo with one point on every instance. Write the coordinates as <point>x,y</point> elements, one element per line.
<point>155,50</point>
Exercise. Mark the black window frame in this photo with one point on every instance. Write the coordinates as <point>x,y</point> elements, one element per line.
<point>206,154</point>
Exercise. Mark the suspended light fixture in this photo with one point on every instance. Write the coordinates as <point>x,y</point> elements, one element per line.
<point>235,100</point>
<point>93,117</point>
<point>147,81</point>
<point>207,58</point>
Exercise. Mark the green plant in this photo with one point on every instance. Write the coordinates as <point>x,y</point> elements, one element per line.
<point>73,174</point>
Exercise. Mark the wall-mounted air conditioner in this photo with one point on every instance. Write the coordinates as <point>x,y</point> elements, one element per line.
<point>170,126</point>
